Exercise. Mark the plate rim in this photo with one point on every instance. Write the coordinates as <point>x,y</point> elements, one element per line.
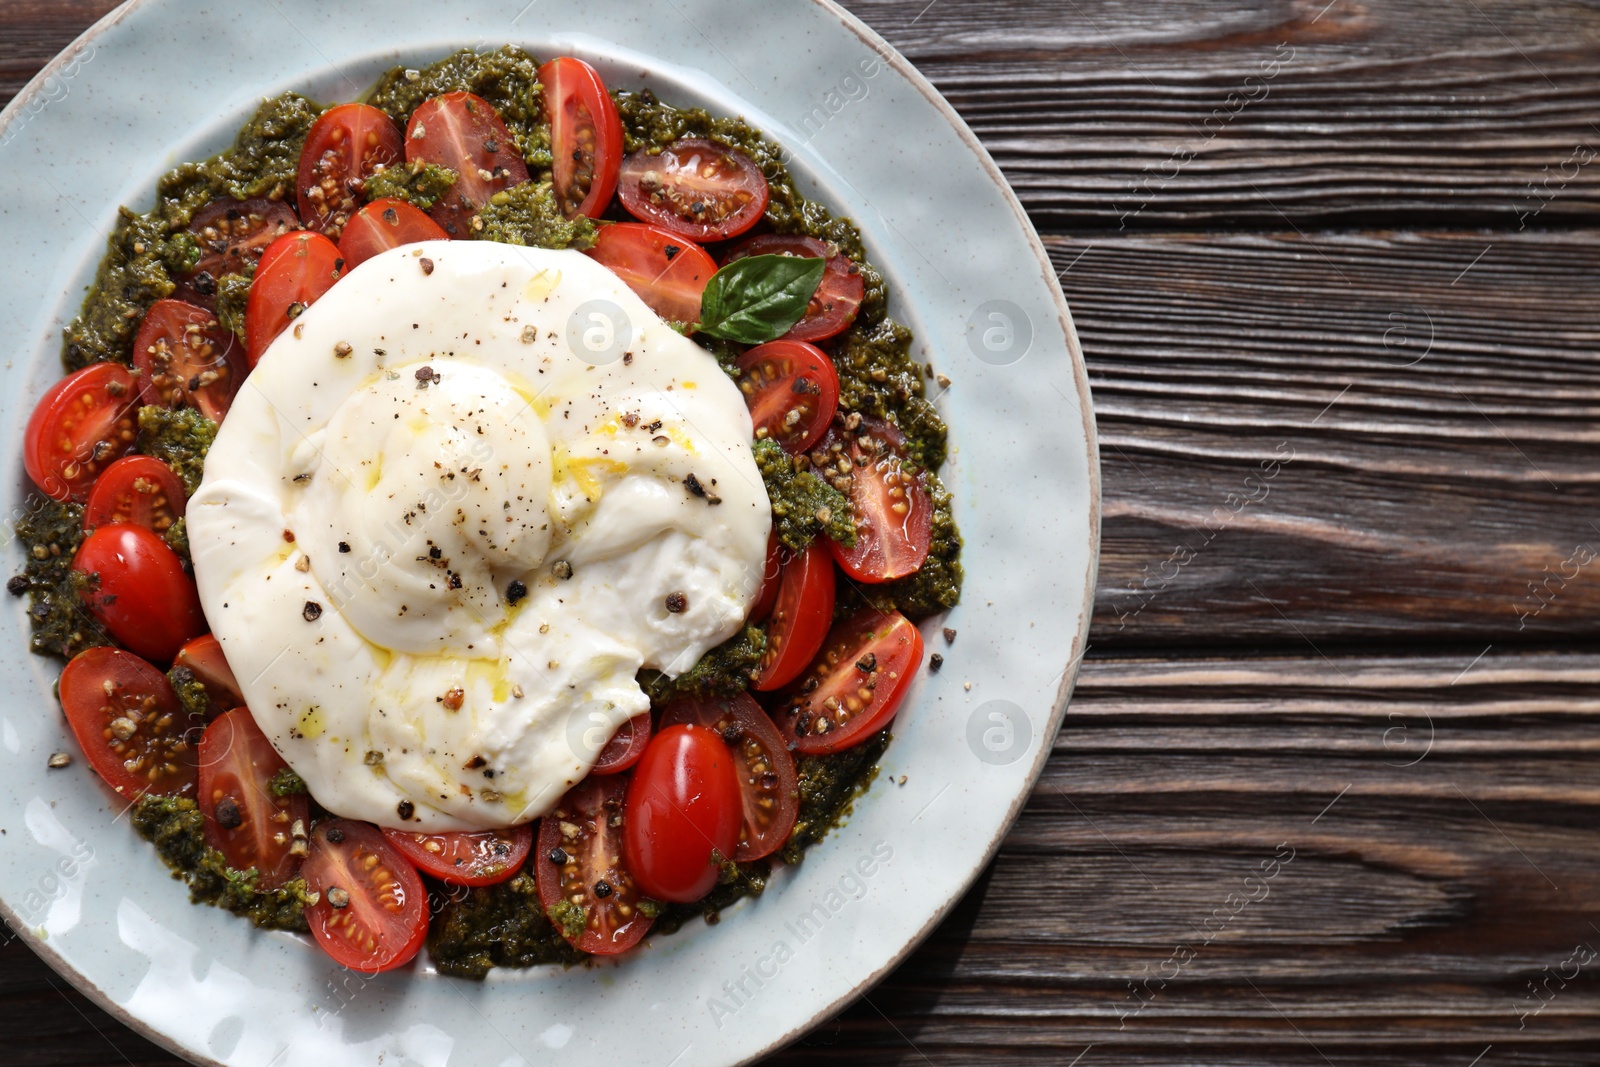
<point>1079,646</point>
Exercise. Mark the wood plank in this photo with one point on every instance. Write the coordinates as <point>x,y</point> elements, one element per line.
<point>35,30</point>
<point>1169,114</point>
<point>1428,885</point>
<point>1344,437</point>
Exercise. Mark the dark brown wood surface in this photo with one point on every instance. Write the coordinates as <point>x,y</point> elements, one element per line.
<point>1329,790</point>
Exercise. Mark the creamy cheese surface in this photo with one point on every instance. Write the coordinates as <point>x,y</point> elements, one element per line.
<point>454,510</point>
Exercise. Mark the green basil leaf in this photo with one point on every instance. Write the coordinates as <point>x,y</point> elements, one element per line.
<point>759,298</point>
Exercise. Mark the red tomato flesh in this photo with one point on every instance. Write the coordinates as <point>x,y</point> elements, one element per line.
<point>372,913</point>
<point>801,616</point>
<point>466,858</point>
<point>579,865</point>
<point>382,225</point>
<point>129,723</point>
<point>232,234</point>
<point>683,814</point>
<point>345,146</point>
<point>186,359</point>
<point>625,746</point>
<point>791,390</point>
<point>84,422</point>
<point>137,489</point>
<point>667,272</point>
<point>838,297</point>
<point>244,821</point>
<point>295,271</point>
<point>463,132</point>
<point>892,511</point>
<point>854,687</point>
<point>203,658</point>
<point>585,136</point>
<point>695,188</point>
<point>139,590</point>
<point>769,788</point>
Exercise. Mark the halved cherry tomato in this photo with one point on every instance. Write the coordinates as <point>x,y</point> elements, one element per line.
<point>767,597</point>
<point>625,746</point>
<point>667,272</point>
<point>129,723</point>
<point>769,789</point>
<point>890,505</point>
<point>372,912</point>
<point>855,685</point>
<point>463,132</point>
<point>346,146</point>
<point>585,136</point>
<point>186,359</point>
<point>481,857</point>
<point>791,390</point>
<point>86,421</point>
<point>838,297</point>
<point>382,225</point>
<point>578,862</point>
<point>696,188</point>
<point>244,821</point>
<point>232,234</point>
<point>295,271</point>
<point>137,489</point>
<point>139,592</point>
<point>683,814</point>
<point>801,617</point>
<point>203,658</point>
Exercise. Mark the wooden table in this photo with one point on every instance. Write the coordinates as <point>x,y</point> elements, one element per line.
<point>1329,788</point>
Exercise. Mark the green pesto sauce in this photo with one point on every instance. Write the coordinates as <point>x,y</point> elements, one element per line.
<point>52,532</point>
<point>731,667</point>
<point>177,539</point>
<point>177,829</point>
<point>497,926</point>
<point>507,78</point>
<point>803,505</point>
<point>829,786</point>
<point>528,215</point>
<point>191,692</point>
<point>287,783</point>
<point>419,184</point>
<point>180,438</point>
<point>233,293</point>
<point>146,251</point>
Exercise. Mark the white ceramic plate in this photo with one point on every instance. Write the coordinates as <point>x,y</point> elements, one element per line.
<point>161,81</point>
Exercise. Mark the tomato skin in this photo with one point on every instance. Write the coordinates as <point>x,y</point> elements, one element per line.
<point>344,147</point>
<point>769,787</point>
<point>386,920</point>
<point>294,272</point>
<point>137,489</point>
<point>203,658</point>
<point>186,359</point>
<point>801,616</point>
<point>838,297</point>
<point>482,857</point>
<point>571,865</point>
<point>236,764</point>
<point>583,123</point>
<point>683,813</point>
<point>667,272</point>
<point>136,688</point>
<point>463,132</point>
<point>781,380</point>
<point>80,425</point>
<point>889,544</point>
<point>699,189</point>
<point>143,596</point>
<point>232,234</point>
<point>382,225</point>
<point>767,596</point>
<point>626,746</point>
<point>820,719</point>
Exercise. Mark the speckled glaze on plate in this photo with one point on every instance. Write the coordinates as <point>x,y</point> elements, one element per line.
<point>145,89</point>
